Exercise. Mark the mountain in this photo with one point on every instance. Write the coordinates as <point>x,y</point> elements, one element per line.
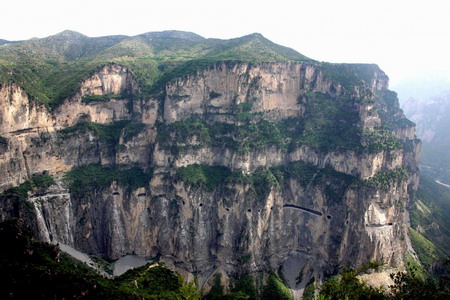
<point>423,86</point>
<point>236,159</point>
<point>2,42</point>
<point>430,217</point>
<point>51,68</point>
<point>430,211</point>
<point>432,116</point>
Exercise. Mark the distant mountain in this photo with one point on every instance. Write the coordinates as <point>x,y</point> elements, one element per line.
<point>64,46</point>
<point>430,210</point>
<point>424,86</point>
<point>70,45</point>
<point>2,42</point>
<point>432,118</point>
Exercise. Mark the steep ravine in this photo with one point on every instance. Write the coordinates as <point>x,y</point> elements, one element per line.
<point>240,168</point>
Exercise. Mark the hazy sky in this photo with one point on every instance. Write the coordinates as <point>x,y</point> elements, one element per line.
<point>404,37</point>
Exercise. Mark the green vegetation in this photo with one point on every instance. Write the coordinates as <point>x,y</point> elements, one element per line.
<point>386,179</point>
<point>242,138</point>
<point>310,289</point>
<point>38,183</point>
<point>156,282</point>
<point>3,141</point>
<point>47,83</point>
<point>428,253</point>
<point>381,139</point>
<point>36,270</point>
<point>263,179</point>
<point>32,270</point>
<point>258,135</point>
<point>330,123</point>
<point>95,178</point>
<point>388,110</point>
<point>346,285</point>
<point>414,266</point>
<point>336,184</point>
<point>276,289</point>
<point>307,173</point>
<point>407,285</point>
<point>343,73</point>
<point>105,98</point>
<point>350,75</point>
<point>324,129</point>
<point>131,130</point>
<point>109,133</point>
<point>51,69</point>
<point>243,112</point>
<point>216,291</point>
<point>19,192</point>
<point>244,288</point>
<point>244,107</point>
<point>213,95</point>
<point>430,213</point>
<point>300,171</point>
<point>42,182</point>
<point>183,131</point>
<point>208,177</point>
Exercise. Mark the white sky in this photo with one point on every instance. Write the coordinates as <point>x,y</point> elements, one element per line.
<point>404,38</point>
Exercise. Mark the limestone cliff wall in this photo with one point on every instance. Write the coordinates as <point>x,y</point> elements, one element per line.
<point>31,130</point>
<point>309,227</point>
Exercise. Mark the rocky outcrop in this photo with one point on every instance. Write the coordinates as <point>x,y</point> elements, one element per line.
<point>111,79</point>
<point>34,144</point>
<point>290,203</point>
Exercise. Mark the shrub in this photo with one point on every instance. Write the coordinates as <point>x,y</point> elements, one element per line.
<point>213,95</point>
<point>109,133</point>
<point>386,179</point>
<point>275,289</point>
<point>381,139</point>
<point>104,98</point>
<point>3,142</point>
<point>95,178</point>
<point>42,182</point>
<point>208,177</point>
<point>38,183</point>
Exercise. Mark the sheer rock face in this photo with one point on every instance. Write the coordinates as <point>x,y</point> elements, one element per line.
<point>310,227</point>
<point>112,79</point>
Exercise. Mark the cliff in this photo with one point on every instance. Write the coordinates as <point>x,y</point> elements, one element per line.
<point>234,168</point>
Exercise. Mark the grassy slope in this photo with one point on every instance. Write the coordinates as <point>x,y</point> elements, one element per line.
<point>428,253</point>
<point>430,213</point>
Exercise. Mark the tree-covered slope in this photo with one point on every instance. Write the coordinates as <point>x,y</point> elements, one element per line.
<point>51,68</point>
